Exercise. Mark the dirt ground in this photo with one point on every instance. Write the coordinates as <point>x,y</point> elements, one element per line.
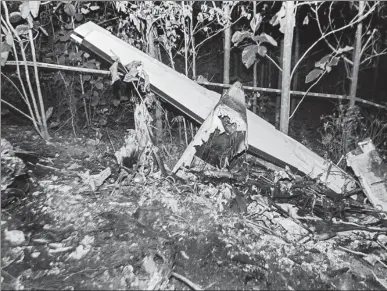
<point>155,233</point>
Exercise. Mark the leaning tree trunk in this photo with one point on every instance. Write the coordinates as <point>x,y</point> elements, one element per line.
<point>356,56</point>
<point>287,65</point>
<point>227,49</point>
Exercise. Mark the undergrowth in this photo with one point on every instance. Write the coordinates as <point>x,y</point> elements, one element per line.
<point>346,127</point>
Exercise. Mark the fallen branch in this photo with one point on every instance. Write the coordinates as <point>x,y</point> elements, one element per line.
<point>361,254</point>
<point>299,93</point>
<point>186,281</point>
<point>48,167</point>
<point>248,88</point>
<point>59,67</point>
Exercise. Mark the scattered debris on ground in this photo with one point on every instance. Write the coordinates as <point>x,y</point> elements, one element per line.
<point>249,228</point>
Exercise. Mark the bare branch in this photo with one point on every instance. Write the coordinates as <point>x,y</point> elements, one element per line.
<point>358,19</point>
<point>17,109</point>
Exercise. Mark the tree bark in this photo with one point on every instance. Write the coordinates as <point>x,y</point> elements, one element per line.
<point>255,81</point>
<point>295,80</point>
<point>356,57</point>
<point>155,53</point>
<point>278,98</point>
<point>227,48</point>
<point>192,42</point>
<point>287,65</point>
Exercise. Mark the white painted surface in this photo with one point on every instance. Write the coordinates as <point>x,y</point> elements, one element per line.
<point>262,135</point>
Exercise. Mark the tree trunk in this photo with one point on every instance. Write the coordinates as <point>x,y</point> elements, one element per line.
<point>191,28</point>
<point>375,91</point>
<point>255,81</point>
<point>356,57</point>
<point>185,43</point>
<point>296,74</point>
<point>227,49</point>
<point>278,98</point>
<point>155,53</point>
<point>287,65</point>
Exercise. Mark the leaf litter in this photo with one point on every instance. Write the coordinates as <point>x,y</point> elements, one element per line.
<point>250,229</point>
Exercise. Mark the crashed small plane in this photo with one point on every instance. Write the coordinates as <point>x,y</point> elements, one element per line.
<point>266,143</point>
<point>223,135</point>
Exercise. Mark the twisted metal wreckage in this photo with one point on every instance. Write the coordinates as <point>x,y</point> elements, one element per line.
<point>269,145</point>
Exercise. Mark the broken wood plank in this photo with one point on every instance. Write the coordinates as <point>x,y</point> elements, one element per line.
<point>197,102</point>
<point>372,173</point>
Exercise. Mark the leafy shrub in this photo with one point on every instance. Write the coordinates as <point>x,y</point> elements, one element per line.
<point>342,130</point>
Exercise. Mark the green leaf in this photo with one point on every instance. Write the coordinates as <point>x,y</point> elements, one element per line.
<point>116,102</point>
<point>239,36</point>
<point>4,47</point>
<point>78,17</point>
<point>86,77</point>
<point>249,55</point>
<point>99,85</point>
<point>200,17</point>
<point>135,21</point>
<point>62,60</point>
<point>69,9</point>
<point>279,18</point>
<point>24,9</point>
<point>34,8</point>
<point>255,22</point>
<point>4,57</point>
<point>49,113</point>
<point>15,17</point>
<point>114,72</point>
<point>334,61</point>
<point>91,65</point>
<point>93,8</point>
<point>313,75</point>
<point>94,100</point>
<point>22,29</point>
<point>262,50</point>
<point>132,70</point>
<point>306,20</point>
<point>129,78</point>
<point>84,10</point>
<point>9,39</point>
<point>324,60</point>
<point>263,37</point>
<point>65,37</point>
<point>146,85</point>
<point>345,49</point>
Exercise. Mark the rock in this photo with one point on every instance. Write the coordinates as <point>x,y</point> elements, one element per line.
<point>14,237</point>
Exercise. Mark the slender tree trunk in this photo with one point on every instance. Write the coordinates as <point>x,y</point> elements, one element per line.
<point>191,28</point>
<point>375,91</point>
<point>356,57</point>
<point>185,43</point>
<point>295,59</point>
<point>153,52</point>
<point>287,65</point>
<point>255,81</point>
<point>227,49</point>
<point>278,98</point>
